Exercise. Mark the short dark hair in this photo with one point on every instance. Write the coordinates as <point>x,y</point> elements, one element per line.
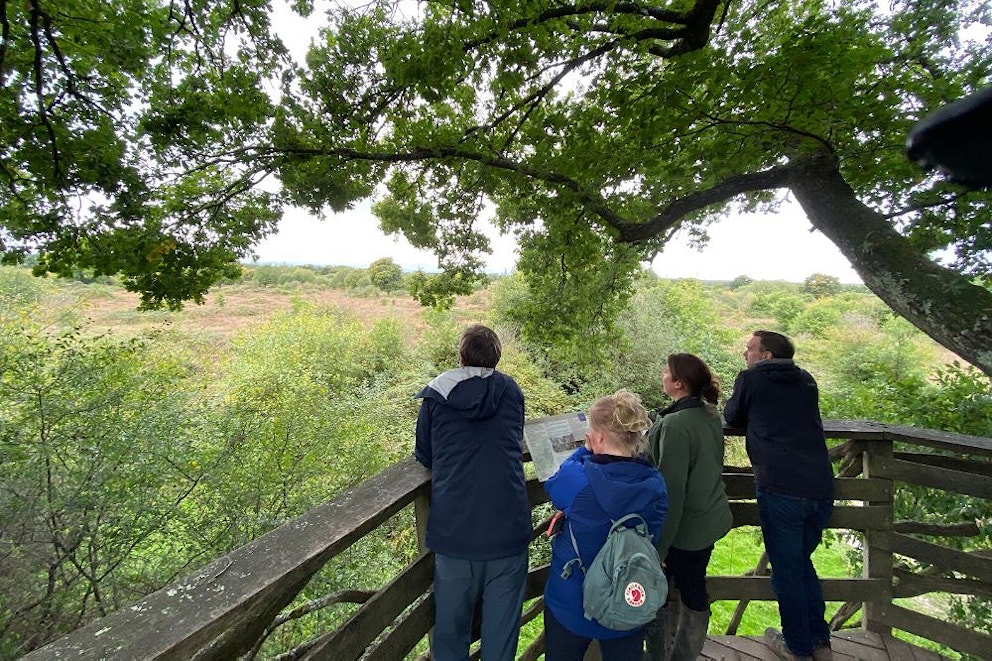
<point>778,345</point>
<point>479,347</point>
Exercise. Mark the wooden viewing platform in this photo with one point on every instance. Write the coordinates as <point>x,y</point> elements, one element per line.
<point>229,608</point>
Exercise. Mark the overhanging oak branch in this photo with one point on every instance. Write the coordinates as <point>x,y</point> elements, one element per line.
<point>673,212</point>
<point>591,200</point>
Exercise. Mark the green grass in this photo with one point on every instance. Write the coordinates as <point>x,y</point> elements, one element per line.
<point>738,553</point>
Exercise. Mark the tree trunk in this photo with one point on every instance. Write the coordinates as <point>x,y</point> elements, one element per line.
<point>941,302</point>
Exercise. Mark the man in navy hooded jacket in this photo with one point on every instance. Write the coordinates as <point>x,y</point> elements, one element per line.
<point>470,434</point>
<point>777,404</point>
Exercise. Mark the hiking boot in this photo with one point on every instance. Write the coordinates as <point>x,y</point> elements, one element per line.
<point>776,643</point>
<point>822,652</point>
<point>691,634</point>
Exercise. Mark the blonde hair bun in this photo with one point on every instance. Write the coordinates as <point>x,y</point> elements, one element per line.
<point>629,414</point>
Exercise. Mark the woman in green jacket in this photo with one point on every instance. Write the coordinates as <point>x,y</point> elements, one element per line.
<point>687,444</point>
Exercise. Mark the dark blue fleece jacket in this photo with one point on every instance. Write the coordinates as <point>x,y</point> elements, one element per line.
<point>777,404</point>
<point>594,490</point>
<point>470,434</point>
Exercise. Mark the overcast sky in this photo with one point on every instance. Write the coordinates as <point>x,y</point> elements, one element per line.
<point>764,247</point>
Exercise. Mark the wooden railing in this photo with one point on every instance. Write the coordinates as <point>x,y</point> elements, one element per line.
<point>226,608</point>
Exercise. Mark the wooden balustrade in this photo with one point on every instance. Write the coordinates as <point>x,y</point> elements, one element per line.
<point>228,607</point>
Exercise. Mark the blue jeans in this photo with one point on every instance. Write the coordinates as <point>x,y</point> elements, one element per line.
<point>458,585</point>
<point>792,528</point>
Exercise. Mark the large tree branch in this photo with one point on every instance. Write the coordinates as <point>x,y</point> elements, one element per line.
<point>591,200</point>
<point>565,11</point>
<point>692,33</point>
<point>35,20</point>
<point>941,302</point>
<point>533,100</point>
<point>4,40</point>
<point>675,211</point>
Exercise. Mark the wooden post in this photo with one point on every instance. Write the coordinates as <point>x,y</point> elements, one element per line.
<point>421,509</point>
<point>877,553</point>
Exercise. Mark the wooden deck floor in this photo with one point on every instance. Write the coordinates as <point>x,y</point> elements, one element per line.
<point>846,646</point>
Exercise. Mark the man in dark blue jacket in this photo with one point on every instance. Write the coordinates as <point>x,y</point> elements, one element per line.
<point>470,434</point>
<point>777,404</point>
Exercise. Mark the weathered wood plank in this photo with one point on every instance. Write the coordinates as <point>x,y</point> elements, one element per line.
<point>536,492</point>
<point>244,589</point>
<point>951,635</point>
<point>974,466</point>
<point>900,649</point>
<point>854,429</point>
<point>861,637</point>
<point>741,486</point>
<point>913,585</point>
<point>533,611</point>
<point>936,477</point>
<point>399,641</point>
<point>759,588</point>
<point>877,553</point>
<point>944,558</point>
<point>421,512</point>
<point>838,429</point>
<point>866,430</point>
<point>865,647</point>
<point>715,650</point>
<point>536,579</point>
<point>375,616</point>
<point>966,529</point>
<point>734,647</point>
<point>944,440</point>
<point>535,650</point>
<point>847,517</point>
<point>760,569</point>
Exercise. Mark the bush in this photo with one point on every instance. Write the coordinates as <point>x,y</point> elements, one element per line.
<point>19,288</point>
<point>103,452</point>
<point>819,285</point>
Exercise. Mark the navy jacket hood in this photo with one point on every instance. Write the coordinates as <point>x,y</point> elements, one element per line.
<point>783,371</point>
<point>479,398</point>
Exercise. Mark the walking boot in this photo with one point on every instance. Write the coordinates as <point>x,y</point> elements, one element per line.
<point>776,643</point>
<point>691,634</point>
<point>659,634</point>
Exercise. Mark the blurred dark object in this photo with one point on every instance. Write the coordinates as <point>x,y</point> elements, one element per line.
<point>957,140</point>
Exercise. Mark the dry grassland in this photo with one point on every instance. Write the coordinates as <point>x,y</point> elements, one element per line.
<point>231,309</point>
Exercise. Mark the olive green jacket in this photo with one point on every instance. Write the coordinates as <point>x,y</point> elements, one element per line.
<point>686,443</point>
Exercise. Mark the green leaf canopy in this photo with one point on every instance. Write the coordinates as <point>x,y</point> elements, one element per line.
<point>591,130</point>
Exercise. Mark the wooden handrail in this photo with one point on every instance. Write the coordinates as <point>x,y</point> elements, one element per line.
<point>223,610</point>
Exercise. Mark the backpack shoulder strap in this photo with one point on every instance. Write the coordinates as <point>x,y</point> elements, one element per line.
<point>566,571</point>
<point>641,525</point>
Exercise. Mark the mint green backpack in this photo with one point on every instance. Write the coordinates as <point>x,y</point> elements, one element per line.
<point>624,586</point>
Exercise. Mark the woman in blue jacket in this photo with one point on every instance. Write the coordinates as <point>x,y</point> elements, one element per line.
<point>599,483</point>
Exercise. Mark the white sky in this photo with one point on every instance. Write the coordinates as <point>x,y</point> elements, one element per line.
<point>763,247</point>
